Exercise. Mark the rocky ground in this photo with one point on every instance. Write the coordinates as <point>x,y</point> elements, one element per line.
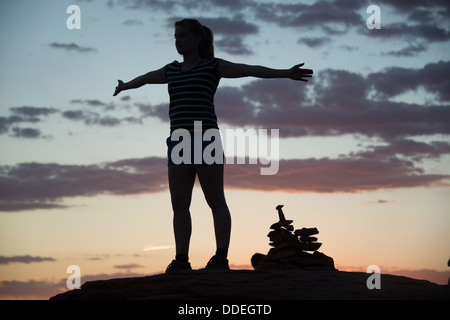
<point>257,285</point>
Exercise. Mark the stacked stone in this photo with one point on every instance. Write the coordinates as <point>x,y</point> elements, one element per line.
<point>291,248</point>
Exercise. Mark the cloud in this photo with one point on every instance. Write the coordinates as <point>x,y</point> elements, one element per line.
<point>231,4</point>
<point>335,102</point>
<point>233,45</point>
<point>35,115</point>
<point>151,247</point>
<point>159,111</point>
<point>401,30</point>
<point>413,150</point>
<point>29,186</point>
<point>31,289</point>
<point>237,25</point>
<point>396,80</point>
<point>170,6</point>
<point>422,12</point>
<point>76,115</point>
<point>94,103</point>
<point>333,175</point>
<point>24,114</point>
<point>338,102</point>
<point>229,33</point>
<point>44,289</point>
<point>24,259</point>
<point>7,205</point>
<point>425,22</point>
<point>381,201</point>
<point>315,14</point>
<point>28,133</point>
<point>93,118</point>
<point>132,22</point>
<point>71,47</point>
<point>128,266</point>
<point>150,4</point>
<point>409,51</point>
<point>334,17</point>
<point>29,111</point>
<point>314,42</point>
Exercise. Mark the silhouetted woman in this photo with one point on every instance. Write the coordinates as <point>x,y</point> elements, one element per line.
<point>192,85</point>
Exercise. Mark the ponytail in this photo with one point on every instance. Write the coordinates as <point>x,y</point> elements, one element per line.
<point>206,45</point>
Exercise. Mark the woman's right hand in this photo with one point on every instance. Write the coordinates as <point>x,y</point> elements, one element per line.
<point>118,88</point>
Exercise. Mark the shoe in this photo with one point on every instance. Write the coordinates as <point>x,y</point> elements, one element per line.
<point>217,262</point>
<point>176,266</point>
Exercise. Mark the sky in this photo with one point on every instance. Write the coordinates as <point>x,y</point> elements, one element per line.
<point>364,150</point>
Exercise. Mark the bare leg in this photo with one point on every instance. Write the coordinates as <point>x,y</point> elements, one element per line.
<point>181,183</point>
<point>211,181</point>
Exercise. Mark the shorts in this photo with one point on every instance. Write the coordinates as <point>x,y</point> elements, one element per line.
<point>211,152</point>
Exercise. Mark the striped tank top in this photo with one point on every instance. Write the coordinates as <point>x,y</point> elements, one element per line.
<point>192,95</point>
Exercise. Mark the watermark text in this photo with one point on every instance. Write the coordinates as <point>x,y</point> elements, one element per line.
<point>262,147</point>
<point>374,281</point>
<point>374,20</point>
<point>74,280</point>
<point>74,20</point>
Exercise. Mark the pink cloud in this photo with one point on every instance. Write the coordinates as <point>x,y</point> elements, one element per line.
<point>29,186</point>
<point>332,175</point>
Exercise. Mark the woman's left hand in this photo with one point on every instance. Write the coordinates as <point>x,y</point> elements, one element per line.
<point>297,73</point>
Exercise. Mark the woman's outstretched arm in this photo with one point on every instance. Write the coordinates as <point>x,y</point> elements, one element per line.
<point>228,69</point>
<point>157,76</point>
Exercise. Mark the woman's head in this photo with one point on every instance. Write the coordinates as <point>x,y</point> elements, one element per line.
<point>191,34</point>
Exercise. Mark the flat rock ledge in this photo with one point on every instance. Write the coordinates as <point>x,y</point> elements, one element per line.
<point>257,285</point>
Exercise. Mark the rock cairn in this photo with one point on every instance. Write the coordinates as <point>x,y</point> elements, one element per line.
<point>291,248</point>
